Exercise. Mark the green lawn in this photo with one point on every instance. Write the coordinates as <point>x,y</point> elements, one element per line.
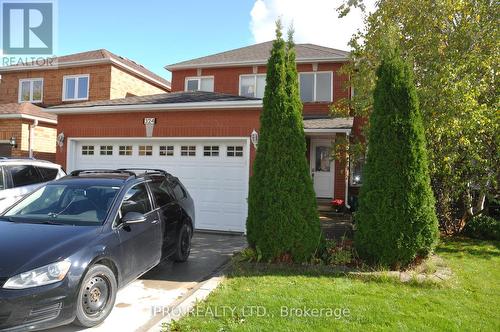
<point>470,301</point>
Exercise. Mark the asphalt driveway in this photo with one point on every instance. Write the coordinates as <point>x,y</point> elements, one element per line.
<point>140,305</point>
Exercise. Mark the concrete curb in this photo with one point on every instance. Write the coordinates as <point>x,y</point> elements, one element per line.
<point>185,304</point>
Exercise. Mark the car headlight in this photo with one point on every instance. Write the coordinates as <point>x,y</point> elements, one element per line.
<point>41,276</point>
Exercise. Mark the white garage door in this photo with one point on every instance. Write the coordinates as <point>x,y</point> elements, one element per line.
<point>215,171</point>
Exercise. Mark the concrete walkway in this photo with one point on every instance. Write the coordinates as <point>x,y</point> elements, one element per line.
<point>142,304</point>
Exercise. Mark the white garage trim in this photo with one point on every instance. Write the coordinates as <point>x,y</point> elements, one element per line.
<point>218,184</point>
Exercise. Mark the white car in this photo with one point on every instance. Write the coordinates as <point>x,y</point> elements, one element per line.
<point>19,177</point>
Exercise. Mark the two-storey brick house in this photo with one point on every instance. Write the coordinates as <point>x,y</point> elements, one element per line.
<point>27,130</point>
<point>204,131</point>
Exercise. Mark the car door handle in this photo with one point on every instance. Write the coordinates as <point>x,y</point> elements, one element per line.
<point>155,221</point>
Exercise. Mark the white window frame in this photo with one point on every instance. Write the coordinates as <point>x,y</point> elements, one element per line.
<point>212,150</point>
<point>87,149</point>
<point>168,152</point>
<point>106,150</point>
<point>235,150</point>
<point>197,78</point>
<point>144,150</point>
<point>188,150</point>
<point>31,80</point>
<point>254,82</point>
<point>76,77</point>
<point>124,152</point>
<point>314,86</point>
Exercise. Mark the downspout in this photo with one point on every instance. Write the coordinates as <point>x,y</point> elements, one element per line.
<point>346,198</point>
<point>31,139</point>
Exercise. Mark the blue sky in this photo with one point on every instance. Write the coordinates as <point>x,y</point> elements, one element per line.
<point>154,32</point>
<point>160,32</point>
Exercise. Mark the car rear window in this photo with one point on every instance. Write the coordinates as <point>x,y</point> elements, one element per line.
<point>23,175</point>
<point>161,193</point>
<point>178,190</point>
<point>48,173</point>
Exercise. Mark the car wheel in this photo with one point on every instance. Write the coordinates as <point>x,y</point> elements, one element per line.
<point>96,297</point>
<point>183,248</point>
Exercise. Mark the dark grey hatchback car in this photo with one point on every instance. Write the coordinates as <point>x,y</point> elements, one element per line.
<point>69,246</point>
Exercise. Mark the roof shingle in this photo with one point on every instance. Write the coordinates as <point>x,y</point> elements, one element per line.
<point>259,54</point>
<point>101,54</point>
<point>328,123</point>
<point>25,109</point>
<point>163,98</point>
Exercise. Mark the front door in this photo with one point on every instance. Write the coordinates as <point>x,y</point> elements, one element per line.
<point>322,168</point>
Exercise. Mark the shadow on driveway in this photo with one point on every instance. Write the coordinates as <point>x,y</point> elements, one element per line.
<point>159,288</point>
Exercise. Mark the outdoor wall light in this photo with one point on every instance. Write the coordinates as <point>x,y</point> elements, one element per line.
<point>13,142</point>
<point>60,140</point>
<point>254,138</point>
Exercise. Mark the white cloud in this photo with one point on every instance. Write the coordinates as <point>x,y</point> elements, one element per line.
<point>314,21</point>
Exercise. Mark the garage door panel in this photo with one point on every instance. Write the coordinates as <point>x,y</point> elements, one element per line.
<point>218,184</point>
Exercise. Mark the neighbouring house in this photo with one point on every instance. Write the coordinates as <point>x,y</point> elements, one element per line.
<point>204,131</point>
<point>27,130</point>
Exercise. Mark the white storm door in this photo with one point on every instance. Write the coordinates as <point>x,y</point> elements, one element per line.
<point>322,168</point>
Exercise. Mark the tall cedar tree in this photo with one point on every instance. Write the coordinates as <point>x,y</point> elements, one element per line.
<point>396,217</point>
<point>282,215</point>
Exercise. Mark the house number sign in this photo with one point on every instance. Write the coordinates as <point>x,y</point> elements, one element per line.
<point>150,126</point>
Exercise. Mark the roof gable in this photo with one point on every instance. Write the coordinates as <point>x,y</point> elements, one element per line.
<point>90,58</point>
<point>259,54</point>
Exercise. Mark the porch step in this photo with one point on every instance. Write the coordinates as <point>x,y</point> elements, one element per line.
<point>335,217</point>
<point>336,225</point>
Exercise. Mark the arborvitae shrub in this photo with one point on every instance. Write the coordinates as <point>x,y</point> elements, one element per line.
<point>282,214</point>
<point>396,216</point>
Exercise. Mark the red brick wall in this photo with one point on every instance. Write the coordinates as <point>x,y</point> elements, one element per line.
<point>226,80</point>
<point>124,84</point>
<point>101,86</point>
<point>224,123</point>
<point>339,181</point>
<point>357,131</point>
<point>13,128</point>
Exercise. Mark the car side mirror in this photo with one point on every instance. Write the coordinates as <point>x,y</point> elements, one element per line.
<point>133,218</point>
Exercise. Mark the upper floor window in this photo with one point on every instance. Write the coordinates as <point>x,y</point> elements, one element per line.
<point>316,86</point>
<point>252,85</point>
<point>31,90</point>
<point>200,83</point>
<point>75,87</point>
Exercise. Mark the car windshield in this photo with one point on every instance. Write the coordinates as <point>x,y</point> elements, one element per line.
<point>65,204</point>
